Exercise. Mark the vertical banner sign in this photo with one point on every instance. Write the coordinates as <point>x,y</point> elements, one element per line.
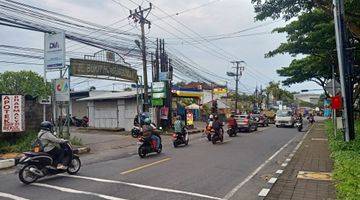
<point>13,119</point>
<point>62,89</point>
<point>54,51</point>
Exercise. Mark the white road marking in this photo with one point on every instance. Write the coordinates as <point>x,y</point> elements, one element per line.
<point>69,190</point>
<point>272,180</point>
<point>264,192</point>
<point>143,186</point>
<point>248,178</point>
<point>287,160</point>
<point>10,196</point>
<point>284,164</point>
<point>280,171</point>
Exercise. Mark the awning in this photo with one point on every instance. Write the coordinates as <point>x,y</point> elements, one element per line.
<point>188,94</point>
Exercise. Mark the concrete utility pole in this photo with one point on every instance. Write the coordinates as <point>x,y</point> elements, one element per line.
<point>344,69</point>
<point>138,17</point>
<point>237,75</point>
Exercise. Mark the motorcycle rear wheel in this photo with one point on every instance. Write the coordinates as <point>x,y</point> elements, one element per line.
<point>25,172</point>
<point>142,152</point>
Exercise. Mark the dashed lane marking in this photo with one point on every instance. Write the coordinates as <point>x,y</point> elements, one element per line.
<point>250,176</point>
<point>143,186</point>
<point>264,192</point>
<point>145,166</point>
<point>69,190</point>
<point>10,196</point>
<point>280,171</point>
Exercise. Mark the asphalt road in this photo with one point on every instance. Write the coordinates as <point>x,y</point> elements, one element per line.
<point>236,169</point>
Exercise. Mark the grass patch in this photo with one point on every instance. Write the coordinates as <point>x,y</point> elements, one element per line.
<point>76,141</point>
<point>17,144</point>
<point>347,163</point>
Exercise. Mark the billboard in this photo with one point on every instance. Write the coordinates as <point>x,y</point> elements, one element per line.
<point>93,68</point>
<point>13,118</point>
<point>62,89</point>
<point>54,51</point>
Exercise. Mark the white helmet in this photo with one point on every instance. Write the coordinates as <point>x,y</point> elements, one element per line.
<point>211,116</point>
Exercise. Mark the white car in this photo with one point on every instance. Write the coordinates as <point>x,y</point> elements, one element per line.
<point>284,118</point>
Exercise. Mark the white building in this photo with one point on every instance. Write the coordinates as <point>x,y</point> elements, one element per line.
<point>111,109</point>
<point>310,98</point>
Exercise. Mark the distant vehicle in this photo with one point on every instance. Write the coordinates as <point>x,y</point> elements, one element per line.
<point>260,119</point>
<point>284,118</point>
<point>246,123</point>
<point>270,115</point>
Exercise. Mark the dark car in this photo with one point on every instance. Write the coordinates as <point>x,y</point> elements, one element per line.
<point>260,119</point>
<point>246,123</point>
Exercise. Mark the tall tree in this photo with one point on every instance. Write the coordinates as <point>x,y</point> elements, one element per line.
<point>24,83</point>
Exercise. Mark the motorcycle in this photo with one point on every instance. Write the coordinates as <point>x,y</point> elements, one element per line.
<point>84,122</point>
<point>209,132</point>
<point>218,136</point>
<point>232,132</point>
<point>36,164</point>
<point>179,139</point>
<point>299,125</point>
<point>146,146</point>
<point>311,120</point>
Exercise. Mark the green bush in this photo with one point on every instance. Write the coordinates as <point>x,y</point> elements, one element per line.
<point>76,141</point>
<point>347,163</point>
<point>21,144</point>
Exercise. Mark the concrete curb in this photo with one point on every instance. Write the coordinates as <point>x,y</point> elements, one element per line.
<point>8,163</point>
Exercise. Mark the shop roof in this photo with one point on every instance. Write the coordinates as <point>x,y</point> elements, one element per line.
<point>111,95</point>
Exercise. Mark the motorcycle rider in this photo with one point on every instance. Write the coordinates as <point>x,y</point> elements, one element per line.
<point>179,126</point>
<point>232,122</point>
<point>217,125</point>
<point>150,131</point>
<point>51,143</point>
<point>299,118</point>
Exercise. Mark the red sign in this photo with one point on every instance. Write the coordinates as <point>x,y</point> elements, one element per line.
<point>336,102</point>
<point>12,113</point>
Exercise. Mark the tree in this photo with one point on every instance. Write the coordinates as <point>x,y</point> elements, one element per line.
<point>24,83</point>
<point>312,37</point>
<point>288,9</point>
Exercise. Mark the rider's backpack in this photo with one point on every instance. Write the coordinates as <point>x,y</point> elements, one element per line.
<point>37,145</point>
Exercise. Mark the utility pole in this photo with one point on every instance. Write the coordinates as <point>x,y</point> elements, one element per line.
<point>344,69</point>
<point>139,17</point>
<point>237,75</point>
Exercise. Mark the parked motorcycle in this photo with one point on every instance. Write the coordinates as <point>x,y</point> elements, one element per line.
<point>146,146</point>
<point>179,139</point>
<point>84,122</point>
<point>35,165</point>
<point>232,132</point>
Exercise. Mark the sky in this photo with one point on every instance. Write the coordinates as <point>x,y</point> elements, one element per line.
<point>214,18</point>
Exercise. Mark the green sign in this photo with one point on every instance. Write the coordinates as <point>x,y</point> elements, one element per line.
<point>156,102</point>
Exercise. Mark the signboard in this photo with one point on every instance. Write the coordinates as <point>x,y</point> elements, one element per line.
<point>164,112</point>
<point>189,119</point>
<point>158,86</point>
<point>45,101</point>
<point>156,102</point>
<point>329,87</point>
<point>91,68</point>
<point>158,95</point>
<point>54,51</point>
<point>13,118</point>
<point>219,90</point>
<point>62,90</point>
<point>163,76</point>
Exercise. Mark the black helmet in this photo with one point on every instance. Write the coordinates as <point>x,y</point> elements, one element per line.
<point>46,125</point>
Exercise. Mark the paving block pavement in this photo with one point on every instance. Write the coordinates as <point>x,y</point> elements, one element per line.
<point>313,162</point>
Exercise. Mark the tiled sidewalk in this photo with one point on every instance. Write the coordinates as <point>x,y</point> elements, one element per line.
<point>312,156</point>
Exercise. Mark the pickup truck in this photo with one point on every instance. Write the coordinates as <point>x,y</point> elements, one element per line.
<point>284,118</point>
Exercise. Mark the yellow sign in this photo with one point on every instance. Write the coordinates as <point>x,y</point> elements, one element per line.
<point>220,90</point>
